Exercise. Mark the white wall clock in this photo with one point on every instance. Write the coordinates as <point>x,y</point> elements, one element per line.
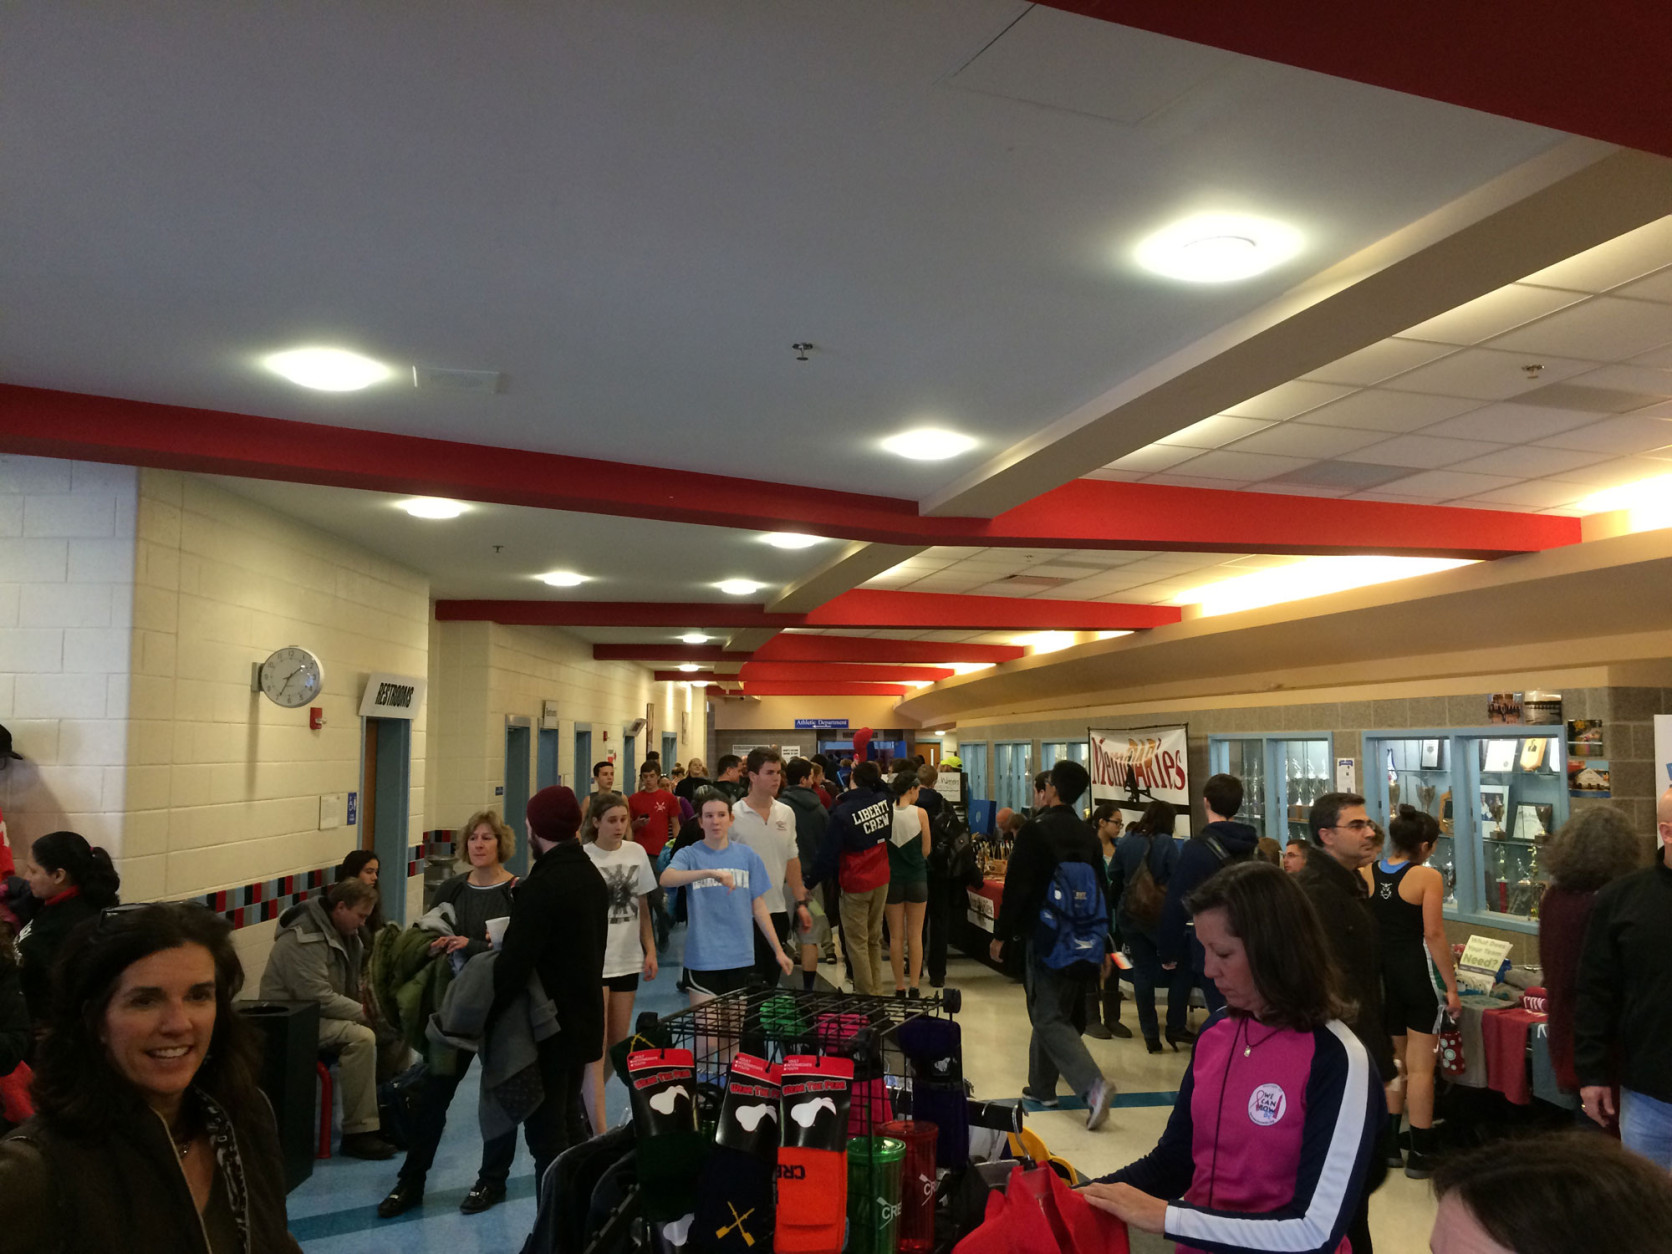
<point>291,677</point>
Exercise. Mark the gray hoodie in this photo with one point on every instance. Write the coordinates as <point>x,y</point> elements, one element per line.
<point>312,961</point>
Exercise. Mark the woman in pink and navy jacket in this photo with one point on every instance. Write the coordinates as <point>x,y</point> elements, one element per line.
<point>1271,1143</point>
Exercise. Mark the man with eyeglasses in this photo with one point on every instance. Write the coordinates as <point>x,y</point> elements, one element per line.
<point>1343,840</point>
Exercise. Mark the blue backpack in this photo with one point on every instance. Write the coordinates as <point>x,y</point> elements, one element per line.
<point>1073,922</point>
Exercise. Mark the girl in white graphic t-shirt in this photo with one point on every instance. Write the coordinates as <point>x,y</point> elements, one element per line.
<point>631,946</point>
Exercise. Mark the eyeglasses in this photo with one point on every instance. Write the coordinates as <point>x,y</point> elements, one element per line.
<point>1357,825</point>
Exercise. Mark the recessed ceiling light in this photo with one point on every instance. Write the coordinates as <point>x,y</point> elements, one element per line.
<point>432,507</point>
<point>738,587</point>
<point>563,579</point>
<point>327,369</point>
<point>690,668</point>
<point>791,540</point>
<point>1218,248</point>
<point>696,683</point>
<point>695,637</point>
<point>928,444</point>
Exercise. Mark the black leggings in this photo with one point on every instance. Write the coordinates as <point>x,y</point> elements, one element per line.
<point>431,1121</point>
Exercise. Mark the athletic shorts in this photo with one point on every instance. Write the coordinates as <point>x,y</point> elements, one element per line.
<point>902,889</point>
<point>819,933</point>
<point>622,983</point>
<point>717,983</point>
<point>1412,1004</point>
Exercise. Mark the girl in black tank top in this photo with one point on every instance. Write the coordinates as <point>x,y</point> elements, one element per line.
<point>1400,921</point>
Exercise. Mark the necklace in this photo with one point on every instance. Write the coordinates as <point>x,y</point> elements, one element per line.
<point>181,1148</point>
<point>1248,1046</point>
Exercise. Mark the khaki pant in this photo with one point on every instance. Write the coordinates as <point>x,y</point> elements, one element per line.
<point>862,925</point>
<point>356,1047</point>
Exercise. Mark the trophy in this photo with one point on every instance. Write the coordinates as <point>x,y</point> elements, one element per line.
<point>1393,797</point>
<point>1425,795</point>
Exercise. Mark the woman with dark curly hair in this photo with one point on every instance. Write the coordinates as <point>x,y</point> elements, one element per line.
<point>150,1134</point>
<point>1593,848</point>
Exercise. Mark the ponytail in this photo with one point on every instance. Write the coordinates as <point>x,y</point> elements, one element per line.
<point>89,867</point>
<point>1410,829</point>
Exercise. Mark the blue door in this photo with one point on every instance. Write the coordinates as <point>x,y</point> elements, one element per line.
<point>516,793</point>
<point>545,755</point>
<point>583,761</point>
<point>975,767</point>
<point>670,752</point>
<point>627,780</point>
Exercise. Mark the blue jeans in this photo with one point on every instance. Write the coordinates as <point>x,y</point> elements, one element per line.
<point>1146,975</point>
<point>1646,1127</point>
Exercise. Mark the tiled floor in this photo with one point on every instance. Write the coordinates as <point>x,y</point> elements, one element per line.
<point>334,1212</point>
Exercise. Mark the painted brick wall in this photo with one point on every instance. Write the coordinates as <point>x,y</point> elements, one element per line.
<point>66,595</point>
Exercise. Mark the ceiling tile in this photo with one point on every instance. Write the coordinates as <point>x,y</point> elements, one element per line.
<point>1620,260</point>
<point>1282,487</point>
<point>1375,410</point>
<point>1195,481</point>
<point>1621,470</point>
<point>1492,314</point>
<point>1288,399</point>
<point>1301,439</point>
<point>1534,494</point>
<point>1347,476</point>
<point>1657,286</point>
<point>1509,423</point>
<point>1242,467</point>
<point>1486,374</point>
<point>1636,377</point>
<point>1113,476</point>
<point>1660,358</point>
<point>1380,361</point>
<point>1605,328</point>
<point>1530,461</point>
<point>1447,485</point>
<point>1153,457</point>
<point>1212,432</point>
<point>1629,433</point>
<point>1263,561</point>
<point>1425,452</point>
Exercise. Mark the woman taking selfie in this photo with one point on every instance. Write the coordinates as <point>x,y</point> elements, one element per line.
<point>1274,1132</point>
<point>150,1136</point>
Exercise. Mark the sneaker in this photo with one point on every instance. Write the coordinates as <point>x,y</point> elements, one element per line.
<point>367,1145</point>
<point>1046,1103</point>
<point>1418,1166</point>
<point>1097,1104</point>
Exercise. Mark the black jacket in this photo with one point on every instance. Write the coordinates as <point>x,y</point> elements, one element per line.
<point>124,1190</point>
<point>1624,1009</point>
<point>1054,835</point>
<point>559,922</point>
<point>1197,863</point>
<point>1342,901</point>
<point>38,945</point>
<point>15,1035</point>
<point>811,819</point>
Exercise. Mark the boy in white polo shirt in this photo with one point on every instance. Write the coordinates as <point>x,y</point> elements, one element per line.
<point>767,825</point>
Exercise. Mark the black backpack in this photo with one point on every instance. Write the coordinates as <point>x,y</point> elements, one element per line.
<point>952,849</point>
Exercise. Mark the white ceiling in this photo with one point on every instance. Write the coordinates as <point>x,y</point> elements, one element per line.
<point>632,209</point>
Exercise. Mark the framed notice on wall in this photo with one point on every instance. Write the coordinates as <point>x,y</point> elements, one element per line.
<point>1136,767</point>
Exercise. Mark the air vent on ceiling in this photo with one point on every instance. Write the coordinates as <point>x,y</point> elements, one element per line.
<point>1357,476</point>
<point>1588,400</point>
<point>1030,581</point>
<point>440,379</point>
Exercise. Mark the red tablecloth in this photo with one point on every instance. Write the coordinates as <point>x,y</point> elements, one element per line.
<point>1504,1035</point>
<point>984,903</point>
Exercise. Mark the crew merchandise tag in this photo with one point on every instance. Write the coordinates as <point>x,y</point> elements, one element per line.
<point>749,1115</point>
<point>662,1084</point>
<point>815,1101</point>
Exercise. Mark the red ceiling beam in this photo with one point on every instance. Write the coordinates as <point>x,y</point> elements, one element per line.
<point>842,672</point>
<point>791,648</point>
<point>1086,514</point>
<point>832,689</point>
<point>1601,66</point>
<point>665,653</point>
<point>860,608</point>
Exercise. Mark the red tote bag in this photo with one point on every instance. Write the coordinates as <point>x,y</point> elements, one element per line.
<point>1039,1214</point>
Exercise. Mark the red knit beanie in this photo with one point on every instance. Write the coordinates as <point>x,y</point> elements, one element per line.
<point>554,814</point>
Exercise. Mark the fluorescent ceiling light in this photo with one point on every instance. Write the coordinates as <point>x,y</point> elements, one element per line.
<point>327,369</point>
<point>738,587</point>
<point>928,444</point>
<point>940,733</point>
<point>920,683</point>
<point>1217,248</point>
<point>1045,641</point>
<point>563,579</point>
<point>696,683</point>
<point>1647,503</point>
<point>432,507</point>
<point>689,667</point>
<point>969,668</point>
<point>791,540</point>
<point>1112,635</point>
<point>1313,577</point>
<point>695,637</point>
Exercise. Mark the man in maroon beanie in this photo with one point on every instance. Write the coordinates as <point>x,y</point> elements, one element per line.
<point>559,918</point>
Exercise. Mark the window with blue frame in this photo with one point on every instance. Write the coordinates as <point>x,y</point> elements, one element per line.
<point>974,755</point>
<point>1282,775</point>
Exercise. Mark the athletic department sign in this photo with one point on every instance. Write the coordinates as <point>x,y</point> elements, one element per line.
<point>1141,765</point>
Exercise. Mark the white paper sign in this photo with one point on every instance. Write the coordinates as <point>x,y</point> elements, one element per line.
<point>1483,958</point>
<point>1134,768</point>
<point>1346,775</point>
<point>392,696</point>
<point>1663,753</point>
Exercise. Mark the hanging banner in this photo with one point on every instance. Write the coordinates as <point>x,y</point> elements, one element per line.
<point>1141,765</point>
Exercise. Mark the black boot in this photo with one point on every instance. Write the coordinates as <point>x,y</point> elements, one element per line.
<point>1112,997</point>
<point>1419,1163</point>
<point>1094,1023</point>
<point>1392,1153</point>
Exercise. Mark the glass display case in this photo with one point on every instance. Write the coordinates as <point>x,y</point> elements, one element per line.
<point>1282,775</point>
<point>1496,792</point>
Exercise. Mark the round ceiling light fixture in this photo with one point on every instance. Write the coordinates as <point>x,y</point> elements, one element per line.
<point>690,668</point>
<point>695,637</point>
<point>928,444</point>
<point>432,507</point>
<point>791,540</point>
<point>563,579</point>
<point>327,369</point>
<point>1217,248</point>
<point>739,587</point>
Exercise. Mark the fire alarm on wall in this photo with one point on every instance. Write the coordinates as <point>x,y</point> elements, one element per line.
<point>316,718</point>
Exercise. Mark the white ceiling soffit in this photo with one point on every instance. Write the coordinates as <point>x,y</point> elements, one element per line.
<point>632,210</point>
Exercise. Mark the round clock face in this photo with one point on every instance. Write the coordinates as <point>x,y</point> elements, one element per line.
<point>292,677</point>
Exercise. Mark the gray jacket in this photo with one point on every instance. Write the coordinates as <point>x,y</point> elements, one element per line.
<point>508,1047</point>
<point>312,961</point>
